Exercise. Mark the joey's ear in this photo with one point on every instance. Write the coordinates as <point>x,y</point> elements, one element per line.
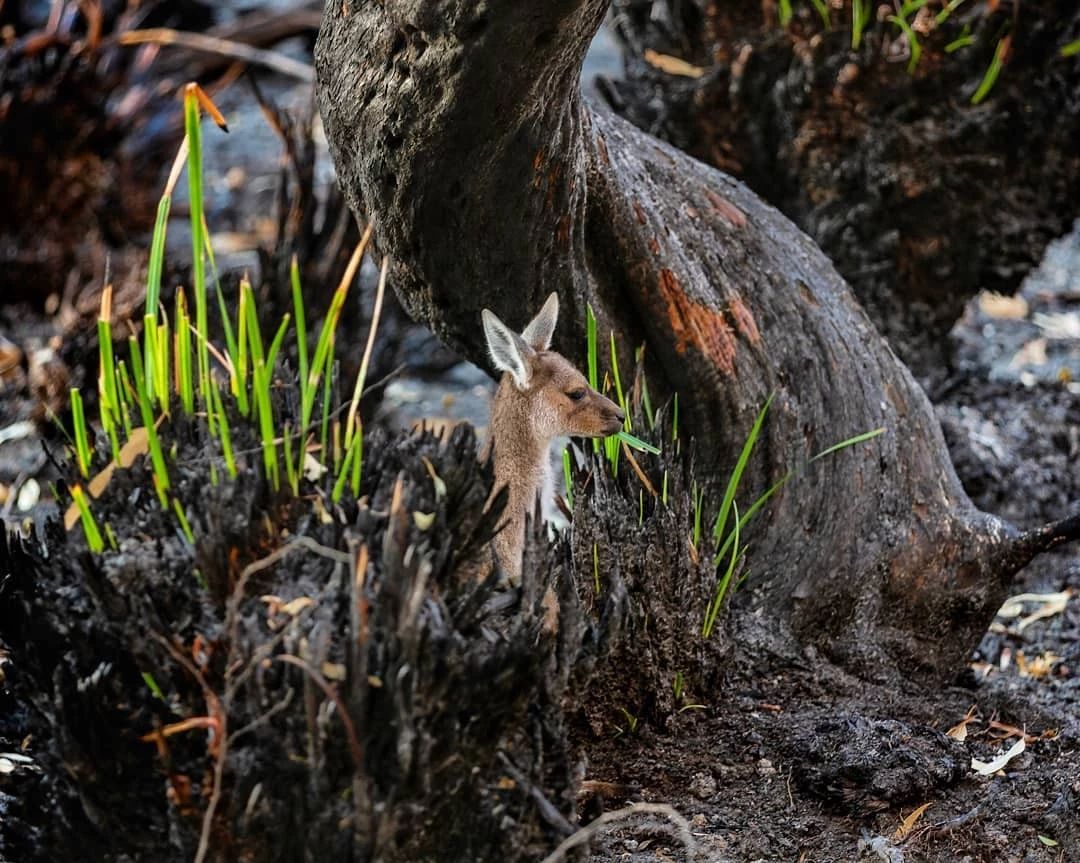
<point>509,351</point>
<point>541,328</point>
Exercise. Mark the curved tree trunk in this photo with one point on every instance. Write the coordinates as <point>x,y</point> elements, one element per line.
<point>460,129</point>
<point>919,197</point>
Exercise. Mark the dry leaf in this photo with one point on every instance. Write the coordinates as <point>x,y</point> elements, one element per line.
<point>313,468</point>
<point>672,65</point>
<point>1039,667</point>
<point>909,823</point>
<point>333,671</point>
<point>989,768</point>
<point>1031,354</point>
<point>959,731</point>
<point>137,445</point>
<point>995,305</point>
<point>424,520</point>
<point>295,606</point>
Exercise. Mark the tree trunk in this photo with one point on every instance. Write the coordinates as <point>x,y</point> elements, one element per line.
<point>461,131</point>
<point>919,197</point>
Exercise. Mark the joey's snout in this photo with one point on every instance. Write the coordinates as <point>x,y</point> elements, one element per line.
<point>612,417</point>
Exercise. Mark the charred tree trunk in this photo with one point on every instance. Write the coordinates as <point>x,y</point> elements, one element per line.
<point>460,129</point>
<point>919,197</point>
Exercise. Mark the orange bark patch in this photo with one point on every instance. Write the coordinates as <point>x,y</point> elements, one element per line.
<point>639,213</point>
<point>654,246</point>
<point>744,321</point>
<point>727,210</point>
<point>695,325</point>
<point>538,164</point>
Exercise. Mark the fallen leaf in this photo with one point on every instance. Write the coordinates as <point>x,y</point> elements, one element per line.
<point>1047,841</point>
<point>959,731</point>
<point>295,606</point>
<point>313,468</point>
<point>989,768</point>
<point>909,823</point>
<point>1031,354</point>
<point>333,671</point>
<point>424,520</point>
<point>995,305</point>
<point>672,65</point>
<point>137,445</point>
<point>1039,667</point>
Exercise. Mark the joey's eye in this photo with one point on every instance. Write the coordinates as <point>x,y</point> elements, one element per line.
<point>576,395</point>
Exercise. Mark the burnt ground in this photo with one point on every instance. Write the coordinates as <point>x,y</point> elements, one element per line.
<point>744,768</point>
<point>784,757</point>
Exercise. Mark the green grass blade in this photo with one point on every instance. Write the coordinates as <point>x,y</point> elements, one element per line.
<point>181,516</point>
<point>749,514</point>
<point>785,12</point>
<point>822,8</point>
<point>913,42</point>
<point>352,457</point>
<point>157,458</point>
<point>736,474</point>
<point>264,408</point>
<point>301,321</point>
<point>292,470</point>
<point>323,353</point>
<point>182,360</point>
<point>275,345</point>
<point>157,257</point>
<point>637,443</point>
<point>240,379</point>
<point>1071,49</point>
<point>962,41</point>
<point>198,242</point>
<point>591,364</point>
<point>82,439</point>
<point>225,432</point>
<point>324,425</point>
<point>851,441</point>
<point>992,72</point>
<point>724,583</point>
<point>944,14</point>
<point>161,364</point>
<point>90,528</point>
<point>860,17</point>
<point>620,398</point>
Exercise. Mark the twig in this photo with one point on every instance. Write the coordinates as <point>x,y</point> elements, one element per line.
<point>264,718</point>
<point>597,826</point>
<point>548,811</point>
<point>221,47</point>
<point>331,693</point>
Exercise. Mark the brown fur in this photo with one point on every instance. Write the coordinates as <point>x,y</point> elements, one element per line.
<point>525,421</point>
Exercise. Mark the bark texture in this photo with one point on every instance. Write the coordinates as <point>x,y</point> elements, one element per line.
<point>460,129</point>
<point>919,197</point>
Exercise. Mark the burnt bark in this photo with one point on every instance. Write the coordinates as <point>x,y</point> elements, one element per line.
<point>461,131</point>
<point>918,196</point>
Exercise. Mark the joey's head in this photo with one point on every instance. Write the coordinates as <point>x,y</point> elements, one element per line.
<point>540,388</point>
